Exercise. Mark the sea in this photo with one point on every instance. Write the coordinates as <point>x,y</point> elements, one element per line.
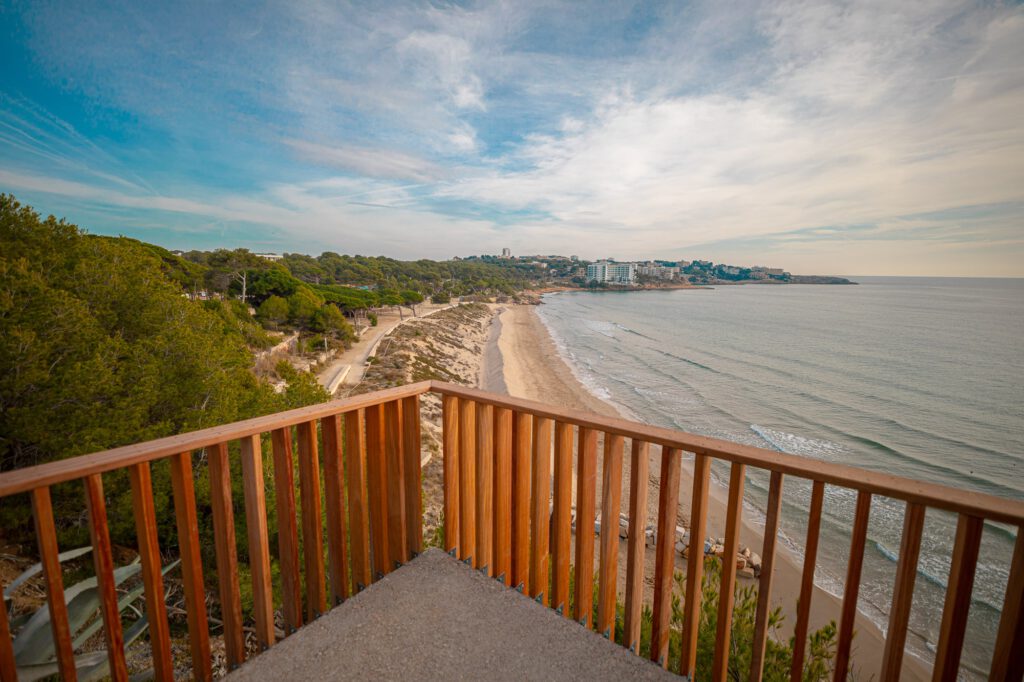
<point>918,377</point>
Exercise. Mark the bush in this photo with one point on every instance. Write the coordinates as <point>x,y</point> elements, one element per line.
<point>819,656</point>
<point>273,310</point>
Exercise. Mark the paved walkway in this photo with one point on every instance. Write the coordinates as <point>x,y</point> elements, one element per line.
<point>436,618</point>
<point>353,360</point>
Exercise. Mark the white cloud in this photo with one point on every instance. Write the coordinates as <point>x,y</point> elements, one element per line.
<point>372,162</point>
<point>703,125</point>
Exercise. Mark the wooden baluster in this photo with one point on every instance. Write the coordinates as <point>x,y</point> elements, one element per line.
<point>8,668</point>
<point>503,495</point>
<point>450,445</point>
<point>259,545</point>
<point>664,554</point>
<point>803,606</point>
<point>764,589</point>
<point>540,519</point>
<point>1007,663</point>
<point>903,592</point>
<point>962,568</point>
<point>187,521</point>
<point>398,538</point>
<point>858,539</point>
<point>152,576</point>
<point>104,564</point>
<point>413,475</point>
<point>358,509</point>
<point>695,565</point>
<point>334,494</point>
<point>483,558</point>
<point>467,481</point>
<point>586,512</point>
<point>561,541</point>
<point>46,535</point>
<point>227,557</point>
<point>312,523</point>
<point>377,490</point>
<point>287,530</point>
<point>727,585</point>
<point>611,503</point>
<point>638,474</point>
<point>522,448</point>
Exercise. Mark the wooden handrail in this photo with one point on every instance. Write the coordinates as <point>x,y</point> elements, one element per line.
<point>26,479</point>
<point>930,494</point>
<point>508,496</point>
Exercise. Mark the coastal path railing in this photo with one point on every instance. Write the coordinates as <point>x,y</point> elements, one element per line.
<point>508,494</point>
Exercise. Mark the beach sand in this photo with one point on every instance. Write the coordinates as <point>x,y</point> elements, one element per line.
<point>531,367</point>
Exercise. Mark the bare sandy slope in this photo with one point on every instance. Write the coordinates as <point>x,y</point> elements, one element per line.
<point>533,369</point>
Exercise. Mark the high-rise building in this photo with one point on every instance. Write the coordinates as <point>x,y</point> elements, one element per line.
<point>506,252</point>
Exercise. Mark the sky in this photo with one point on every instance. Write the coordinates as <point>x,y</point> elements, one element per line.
<point>822,137</point>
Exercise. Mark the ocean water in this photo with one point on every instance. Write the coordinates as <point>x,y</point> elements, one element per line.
<point>917,377</point>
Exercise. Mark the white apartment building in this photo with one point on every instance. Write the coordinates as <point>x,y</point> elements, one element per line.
<point>657,271</point>
<point>614,273</point>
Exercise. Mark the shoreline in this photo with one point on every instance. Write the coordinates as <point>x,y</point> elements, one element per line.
<point>533,367</point>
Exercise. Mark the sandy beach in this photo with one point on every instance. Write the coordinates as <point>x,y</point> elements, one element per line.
<point>531,367</point>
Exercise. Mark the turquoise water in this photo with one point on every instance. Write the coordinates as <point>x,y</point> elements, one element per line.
<point>916,377</point>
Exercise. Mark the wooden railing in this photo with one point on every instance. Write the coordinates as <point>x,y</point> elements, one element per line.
<point>508,494</point>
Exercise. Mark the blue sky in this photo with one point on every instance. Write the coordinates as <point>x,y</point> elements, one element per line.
<point>847,138</point>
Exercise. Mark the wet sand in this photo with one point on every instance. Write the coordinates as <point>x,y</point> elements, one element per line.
<point>532,368</point>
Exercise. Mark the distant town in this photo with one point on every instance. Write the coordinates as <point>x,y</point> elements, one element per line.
<point>611,273</point>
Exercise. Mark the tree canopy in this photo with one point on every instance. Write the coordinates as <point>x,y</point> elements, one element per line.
<point>101,347</point>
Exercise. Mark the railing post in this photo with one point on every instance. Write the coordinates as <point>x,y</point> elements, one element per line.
<point>638,474</point>
<point>450,446</point>
<point>413,476</point>
<point>8,668</point>
<point>358,508</point>
<point>227,556</point>
<point>503,494</point>
<point>586,512</point>
<point>903,592</point>
<point>664,555</point>
<point>46,534</point>
<point>152,571</point>
<point>764,589</point>
<point>1007,663</point>
<point>334,494</point>
<point>695,566</point>
<point>398,538</point>
<point>803,607</point>
<point>259,548</point>
<point>187,521</point>
<point>858,538</point>
<point>958,597</point>
<point>522,448</point>
<point>287,529</point>
<point>377,490</point>
<point>611,503</point>
<point>312,521</point>
<point>482,557</point>
<point>467,481</point>
<point>561,521</point>
<point>104,563</point>
<point>540,519</point>
<point>727,586</point>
